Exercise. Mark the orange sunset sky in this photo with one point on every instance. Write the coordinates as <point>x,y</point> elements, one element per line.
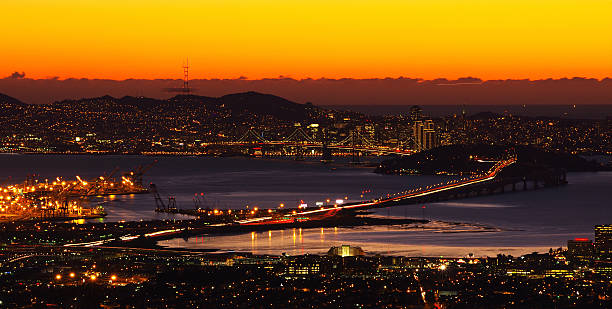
<point>492,39</point>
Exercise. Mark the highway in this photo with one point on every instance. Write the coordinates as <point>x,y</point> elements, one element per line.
<point>391,198</point>
<point>290,216</point>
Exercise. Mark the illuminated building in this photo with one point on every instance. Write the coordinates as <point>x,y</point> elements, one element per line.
<point>345,250</point>
<point>302,267</point>
<point>580,248</point>
<point>424,135</point>
<point>415,113</point>
<point>604,269</point>
<point>518,272</point>
<point>369,131</point>
<point>417,134</point>
<point>603,239</point>
<point>559,273</point>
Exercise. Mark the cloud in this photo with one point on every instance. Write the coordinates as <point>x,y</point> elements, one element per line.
<point>17,75</point>
<point>327,91</point>
<point>459,81</point>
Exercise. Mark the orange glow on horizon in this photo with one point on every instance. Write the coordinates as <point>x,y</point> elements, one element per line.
<point>307,38</point>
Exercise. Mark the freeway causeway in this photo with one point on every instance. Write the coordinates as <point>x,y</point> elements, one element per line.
<point>325,215</point>
<point>401,198</point>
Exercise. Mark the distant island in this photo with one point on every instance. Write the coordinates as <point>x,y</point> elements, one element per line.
<point>474,158</point>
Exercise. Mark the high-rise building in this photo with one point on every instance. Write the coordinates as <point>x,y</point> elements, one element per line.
<point>603,239</point>
<point>580,248</point>
<point>424,135</point>
<point>430,140</point>
<point>417,134</point>
<point>415,113</point>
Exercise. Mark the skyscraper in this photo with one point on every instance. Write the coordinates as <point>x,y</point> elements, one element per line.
<point>424,134</point>
<point>580,248</point>
<point>603,239</point>
<point>415,113</point>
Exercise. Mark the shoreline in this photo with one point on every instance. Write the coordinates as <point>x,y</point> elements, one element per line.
<point>194,154</point>
<point>244,229</point>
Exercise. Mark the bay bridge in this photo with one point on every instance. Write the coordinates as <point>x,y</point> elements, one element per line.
<point>492,181</point>
<point>290,217</point>
<point>299,141</point>
<point>489,181</point>
<point>484,183</point>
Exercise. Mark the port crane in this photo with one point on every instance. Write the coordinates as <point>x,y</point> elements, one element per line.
<point>137,173</point>
<point>159,203</point>
<point>99,183</point>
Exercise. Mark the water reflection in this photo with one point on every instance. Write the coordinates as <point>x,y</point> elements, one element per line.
<point>322,235</point>
<point>269,238</point>
<point>534,219</point>
<point>253,242</point>
<point>374,240</point>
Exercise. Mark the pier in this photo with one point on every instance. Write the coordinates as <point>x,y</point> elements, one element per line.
<point>63,199</point>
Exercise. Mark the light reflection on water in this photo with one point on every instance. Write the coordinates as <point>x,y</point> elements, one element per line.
<point>374,240</point>
<point>523,221</point>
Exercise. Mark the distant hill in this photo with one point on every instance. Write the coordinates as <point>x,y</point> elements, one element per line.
<point>239,105</point>
<point>134,124</point>
<point>11,107</point>
<point>340,91</point>
<point>265,104</point>
<point>4,99</point>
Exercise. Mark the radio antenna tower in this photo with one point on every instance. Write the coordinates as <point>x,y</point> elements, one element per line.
<point>186,76</point>
<point>185,89</point>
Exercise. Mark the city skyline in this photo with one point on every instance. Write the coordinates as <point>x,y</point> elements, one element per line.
<point>306,154</point>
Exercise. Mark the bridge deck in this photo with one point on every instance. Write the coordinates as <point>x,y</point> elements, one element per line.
<point>397,198</point>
